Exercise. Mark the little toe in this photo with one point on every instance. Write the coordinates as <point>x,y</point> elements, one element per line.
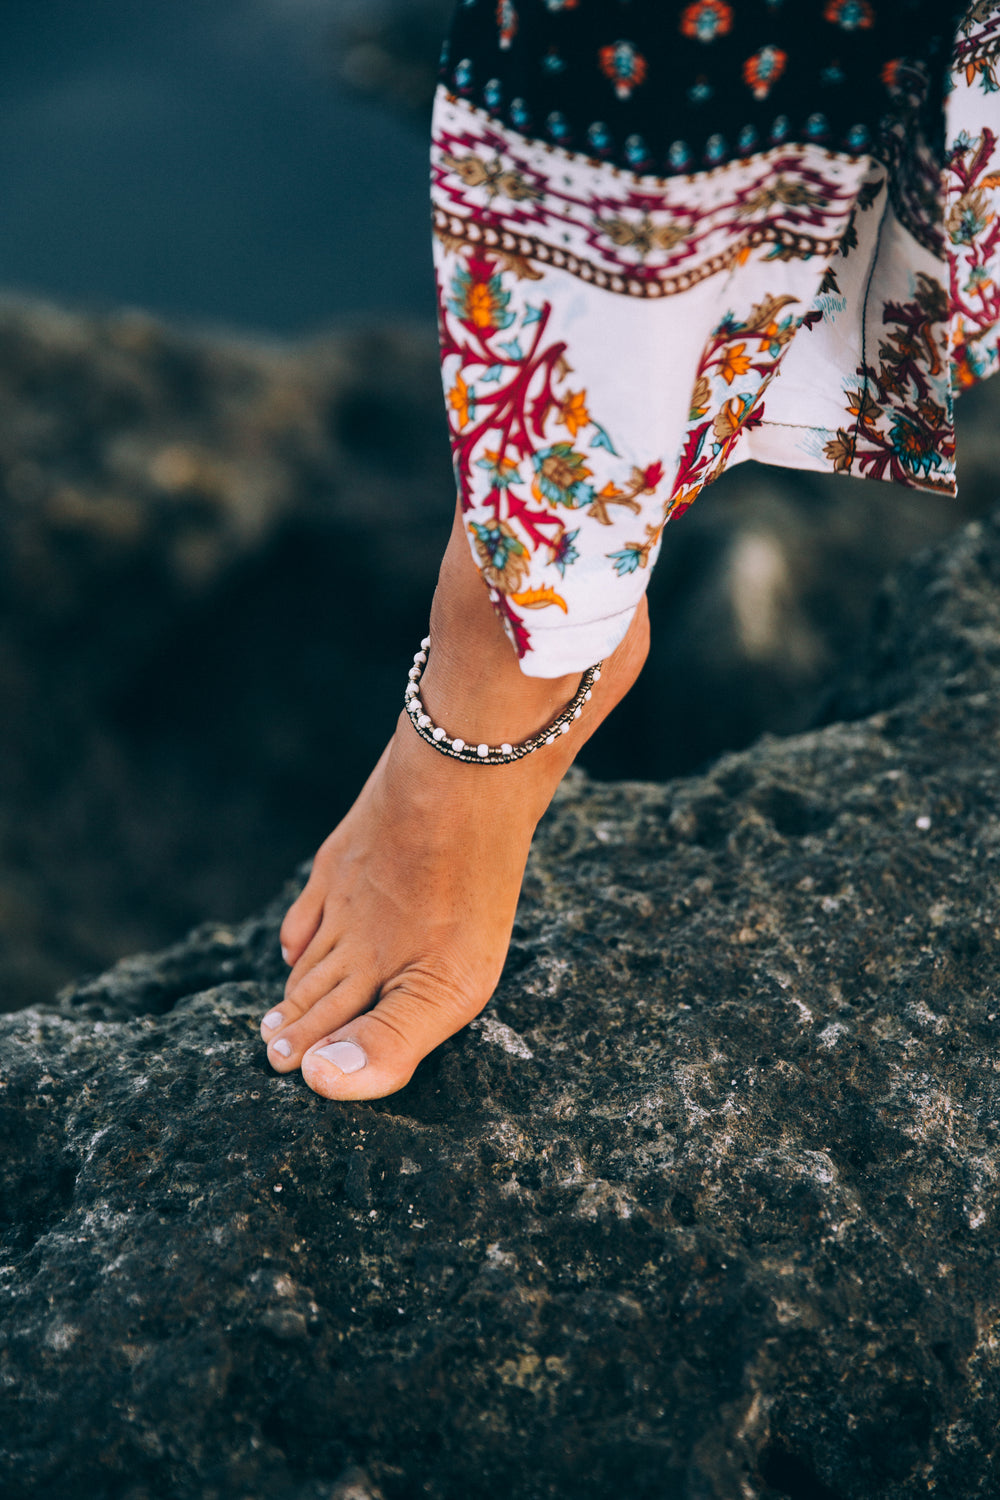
<point>301,922</point>
<point>385,1044</point>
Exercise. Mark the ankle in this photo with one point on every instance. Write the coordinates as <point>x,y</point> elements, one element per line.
<point>473,683</point>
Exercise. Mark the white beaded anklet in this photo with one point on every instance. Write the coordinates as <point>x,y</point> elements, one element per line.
<point>489,755</point>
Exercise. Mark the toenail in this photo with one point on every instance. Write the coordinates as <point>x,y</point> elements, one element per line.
<point>282,1046</point>
<point>347,1056</point>
<point>272,1019</point>
<point>284,954</point>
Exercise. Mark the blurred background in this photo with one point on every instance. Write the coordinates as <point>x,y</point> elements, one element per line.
<point>225,484</point>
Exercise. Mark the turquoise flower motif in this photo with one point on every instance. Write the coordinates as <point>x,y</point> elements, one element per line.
<point>561,477</point>
<point>967,218</point>
<point>679,155</point>
<point>913,444</point>
<point>636,152</point>
<point>464,75</point>
<point>600,137</point>
<point>520,114</point>
<point>493,94</point>
<point>498,548</point>
<point>715,148</point>
<point>628,560</point>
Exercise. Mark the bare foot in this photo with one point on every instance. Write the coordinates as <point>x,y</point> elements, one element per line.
<point>400,935</point>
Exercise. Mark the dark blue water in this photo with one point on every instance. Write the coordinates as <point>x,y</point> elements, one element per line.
<point>195,157</point>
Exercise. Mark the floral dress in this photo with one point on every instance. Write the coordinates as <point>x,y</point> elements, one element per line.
<point>671,235</point>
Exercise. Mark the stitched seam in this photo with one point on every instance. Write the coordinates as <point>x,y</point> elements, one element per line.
<point>864,341</point>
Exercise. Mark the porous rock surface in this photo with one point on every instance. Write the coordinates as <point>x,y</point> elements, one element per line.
<point>705,1205</point>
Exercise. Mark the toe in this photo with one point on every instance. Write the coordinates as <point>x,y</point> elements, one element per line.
<point>385,1043</point>
<point>301,922</point>
<point>339,1004</point>
<point>317,972</point>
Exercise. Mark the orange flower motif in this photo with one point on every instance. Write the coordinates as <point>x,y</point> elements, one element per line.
<point>762,71</point>
<point>573,412</point>
<point>734,363</point>
<point>624,65</point>
<point>480,303</point>
<point>462,401</point>
<point>704,20</point>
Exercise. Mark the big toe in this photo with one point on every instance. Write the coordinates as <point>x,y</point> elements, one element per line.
<point>378,1052</point>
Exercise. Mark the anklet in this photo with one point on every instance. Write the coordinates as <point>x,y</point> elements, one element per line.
<point>489,755</point>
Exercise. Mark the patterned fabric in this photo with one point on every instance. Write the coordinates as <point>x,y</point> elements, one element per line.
<point>612,339</point>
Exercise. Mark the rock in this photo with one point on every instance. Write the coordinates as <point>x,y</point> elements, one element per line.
<point>706,1206</point>
<point>213,553</point>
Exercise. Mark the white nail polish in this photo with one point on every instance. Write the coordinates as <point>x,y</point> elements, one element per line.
<point>347,1056</point>
<point>284,954</point>
<point>282,1046</point>
<point>272,1019</point>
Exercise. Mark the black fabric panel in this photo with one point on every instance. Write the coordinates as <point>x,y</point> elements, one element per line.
<point>688,72</point>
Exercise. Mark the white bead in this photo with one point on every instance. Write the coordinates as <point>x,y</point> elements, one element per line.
<point>506,749</point>
<point>413,672</point>
<point>425,643</point>
<point>438,735</point>
<point>597,676</point>
<point>551,740</point>
<point>424,721</point>
<point>411,689</point>
<point>420,658</point>
<point>564,729</point>
<point>482,750</point>
<point>577,712</point>
<point>586,696</point>
<point>458,744</point>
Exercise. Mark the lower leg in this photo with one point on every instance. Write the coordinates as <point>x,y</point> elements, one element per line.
<point>400,935</point>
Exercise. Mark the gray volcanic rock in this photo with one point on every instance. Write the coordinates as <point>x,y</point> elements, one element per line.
<point>705,1205</point>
